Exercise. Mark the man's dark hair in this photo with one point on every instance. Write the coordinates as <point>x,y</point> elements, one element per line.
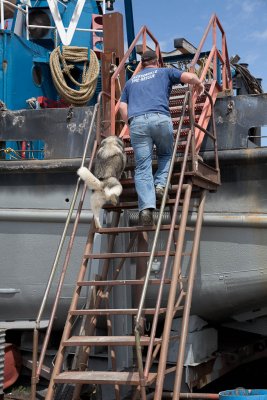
<point>149,57</point>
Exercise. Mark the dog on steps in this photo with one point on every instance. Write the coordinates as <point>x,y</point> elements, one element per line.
<point>108,167</point>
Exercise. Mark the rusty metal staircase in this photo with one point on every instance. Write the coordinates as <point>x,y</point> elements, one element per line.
<point>189,180</point>
<point>179,285</point>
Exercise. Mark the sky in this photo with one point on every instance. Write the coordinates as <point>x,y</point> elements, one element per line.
<point>244,22</point>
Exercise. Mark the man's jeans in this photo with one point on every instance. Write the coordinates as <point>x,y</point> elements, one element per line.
<point>147,130</point>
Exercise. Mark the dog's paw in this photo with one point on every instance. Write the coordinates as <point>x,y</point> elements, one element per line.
<point>97,223</point>
<point>114,200</point>
<point>82,172</point>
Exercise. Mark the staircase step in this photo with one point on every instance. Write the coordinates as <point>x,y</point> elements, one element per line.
<point>103,377</point>
<point>128,229</point>
<point>132,205</point>
<point>178,109</point>
<point>135,254</point>
<point>183,132</point>
<point>118,311</point>
<point>186,121</point>
<point>179,90</point>
<point>178,100</point>
<point>108,341</point>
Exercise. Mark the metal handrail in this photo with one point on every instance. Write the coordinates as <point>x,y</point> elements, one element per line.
<point>214,57</point>
<point>212,60</point>
<point>2,11</point>
<point>19,7</point>
<point>214,54</point>
<point>37,364</point>
<point>144,31</point>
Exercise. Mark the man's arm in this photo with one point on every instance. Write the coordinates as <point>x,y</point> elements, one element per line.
<point>124,112</point>
<point>193,79</point>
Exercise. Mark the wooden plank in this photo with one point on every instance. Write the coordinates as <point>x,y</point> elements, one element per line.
<point>103,377</point>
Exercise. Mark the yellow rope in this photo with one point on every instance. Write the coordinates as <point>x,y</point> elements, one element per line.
<point>59,67</point>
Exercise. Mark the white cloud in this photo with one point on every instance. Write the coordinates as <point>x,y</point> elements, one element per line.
<point>259,35</point>
<point>248,7</point>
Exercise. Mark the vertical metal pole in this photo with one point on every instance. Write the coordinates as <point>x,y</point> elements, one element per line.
<point>144,41</point>
<point>130,27</point>
<point>34,377</point>
<point>214,40</point>
<point>215,137</point>
<point>112,348</point>
<point>188,299</point>
<point>27,23</point>
<point>224,75</point>
<point>112,106</point>
<point>2,14</point>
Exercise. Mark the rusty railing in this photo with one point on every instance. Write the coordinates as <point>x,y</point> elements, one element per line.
<point>215,55</point>
<point>143,33</point>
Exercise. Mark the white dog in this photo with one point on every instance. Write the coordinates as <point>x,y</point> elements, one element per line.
<point>109,165</point>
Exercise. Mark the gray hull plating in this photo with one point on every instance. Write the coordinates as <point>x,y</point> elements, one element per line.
<point>33,212</point>
<point>232,270</point>
<point>232,263</point>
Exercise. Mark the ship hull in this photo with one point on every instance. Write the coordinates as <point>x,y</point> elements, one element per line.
<point>232,263</point>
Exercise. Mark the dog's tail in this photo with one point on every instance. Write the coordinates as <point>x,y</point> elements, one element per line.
<point>90,180</point>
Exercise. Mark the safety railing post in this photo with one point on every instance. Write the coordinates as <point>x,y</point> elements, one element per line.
<point>224,74</point>
<point>214,42</point>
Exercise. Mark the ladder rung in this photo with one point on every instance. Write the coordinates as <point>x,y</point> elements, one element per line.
<point>126,282</point>
<point>116,311</point>
<point>177,109</point>
<point>136,254</point>
<point>103,377</point>
<point>132,204</point>
<point>183,132</point>
<point>127,229</point>
<point>178,91</point>
<point>177,100</point>
<point>108,341</point>
<point>186,120</point>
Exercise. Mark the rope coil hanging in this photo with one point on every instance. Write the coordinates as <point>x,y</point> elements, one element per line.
<point>62,63</point>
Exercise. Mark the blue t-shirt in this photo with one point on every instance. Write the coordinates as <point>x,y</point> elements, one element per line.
<point>149,91</point>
